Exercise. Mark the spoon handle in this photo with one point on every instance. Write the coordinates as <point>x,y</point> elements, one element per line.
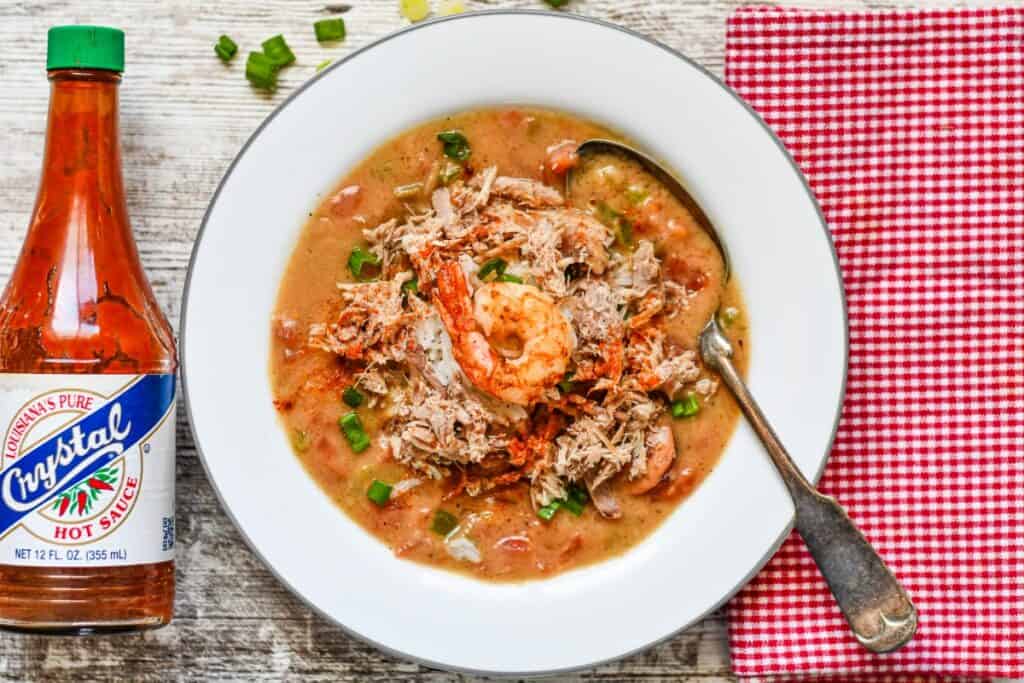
<point>875,605</point>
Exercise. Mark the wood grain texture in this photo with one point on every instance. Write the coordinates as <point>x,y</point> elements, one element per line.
<point>184,117</point>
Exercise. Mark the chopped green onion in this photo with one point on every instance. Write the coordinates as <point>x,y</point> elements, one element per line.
<point>379,492</point>
<point>352,397</point>
<point>636,194</point>
<point>323,65</point>
<point>687,407</point>
<point>451,171</point>
<point>625,233</point>
<point>300,440</point>
<point>496,266</point>
<point>729,315</point>
<point>444,523</point>
<point>567,385</point>
<point>621,225</point>
<point>578,494</point>
<point>408,191</point>
<point>509,277</point>
<point>225,48</point>
<point>411,286</point>
<point>557,3</point>
<point>449,7</point>
<point>355,434</point>
<point>329,30</point>
<point>277,51</point>
<point>606,214</point>
<point>362,257</point>
<point>573,506</point>
<point>456,146</point>
<point>414,10</point>
<point>260,71</point>
<point>549,510</point>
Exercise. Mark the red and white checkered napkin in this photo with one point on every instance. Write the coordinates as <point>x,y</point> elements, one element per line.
<point>910,129</point>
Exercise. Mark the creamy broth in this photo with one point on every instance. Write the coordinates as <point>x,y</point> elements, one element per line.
<point>513,542</point>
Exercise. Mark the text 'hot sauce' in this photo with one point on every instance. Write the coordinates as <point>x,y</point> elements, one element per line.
<point>87,385</point>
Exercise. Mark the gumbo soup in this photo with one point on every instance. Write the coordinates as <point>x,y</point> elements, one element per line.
<point>493,377</point>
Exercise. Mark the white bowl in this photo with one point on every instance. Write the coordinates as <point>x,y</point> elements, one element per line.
<point>715,541</point>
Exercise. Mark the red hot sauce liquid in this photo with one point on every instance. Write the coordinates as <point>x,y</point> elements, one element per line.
<point>78,301</point>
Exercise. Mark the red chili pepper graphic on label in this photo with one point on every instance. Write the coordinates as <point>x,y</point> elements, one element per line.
<point>101,485</point>
<point>64,503</point>
<point>82,498</point>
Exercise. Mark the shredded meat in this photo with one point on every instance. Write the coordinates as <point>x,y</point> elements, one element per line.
<point>594,311</point>
<point>528,192</point>
<point>437,423</point>
<point>596,447</point>
<point>490,216</point>
<point>434,429</point>
<point>372,323</point>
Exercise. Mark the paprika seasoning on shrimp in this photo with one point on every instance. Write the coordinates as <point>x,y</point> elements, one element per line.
<point>87,389</point>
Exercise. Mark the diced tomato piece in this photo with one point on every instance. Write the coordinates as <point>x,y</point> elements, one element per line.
<point>562,157</point>
<point>347,200</point>
<point>511,118</point>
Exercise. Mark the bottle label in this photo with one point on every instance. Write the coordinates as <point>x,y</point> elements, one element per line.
<point>86,470</point>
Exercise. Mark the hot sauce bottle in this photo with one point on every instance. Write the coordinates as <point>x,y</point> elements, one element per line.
<point>87,388</point>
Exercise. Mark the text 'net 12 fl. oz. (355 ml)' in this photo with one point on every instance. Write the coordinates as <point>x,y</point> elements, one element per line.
<point>87,386</point>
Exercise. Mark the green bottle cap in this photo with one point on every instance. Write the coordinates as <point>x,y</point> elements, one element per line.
<point>85,47</point>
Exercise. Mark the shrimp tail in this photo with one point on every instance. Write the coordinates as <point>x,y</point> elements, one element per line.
<point>469,346</point>
<point>453,301</point>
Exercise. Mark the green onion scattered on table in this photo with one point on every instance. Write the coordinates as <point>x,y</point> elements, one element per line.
<point>414,10</point>
<point>323,65</point>
<point>449,7</point>
<point>352,427</point>
<point>379,492</point>
<point>260,71</point>
<point>557,3</point>
<point>687,407</point>
<point>277,51</point>
<point>456,146</point>
<point>358,259</point>
<point>329,30</point>
<point>444,523</point>
<point>352,397</point>
<point>225,48</point>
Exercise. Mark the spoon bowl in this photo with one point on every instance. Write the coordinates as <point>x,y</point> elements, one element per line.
<point>603,146</point>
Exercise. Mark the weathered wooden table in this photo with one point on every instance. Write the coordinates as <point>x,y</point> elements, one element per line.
<point>184,117</point>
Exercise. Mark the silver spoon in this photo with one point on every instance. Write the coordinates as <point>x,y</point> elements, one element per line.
<point>875,605</point>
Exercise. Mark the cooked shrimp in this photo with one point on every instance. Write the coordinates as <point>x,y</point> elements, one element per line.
<point>661,453</point>
<point>504,312</point>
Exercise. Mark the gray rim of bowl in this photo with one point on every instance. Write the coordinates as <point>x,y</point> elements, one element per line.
<point>558,16</point>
